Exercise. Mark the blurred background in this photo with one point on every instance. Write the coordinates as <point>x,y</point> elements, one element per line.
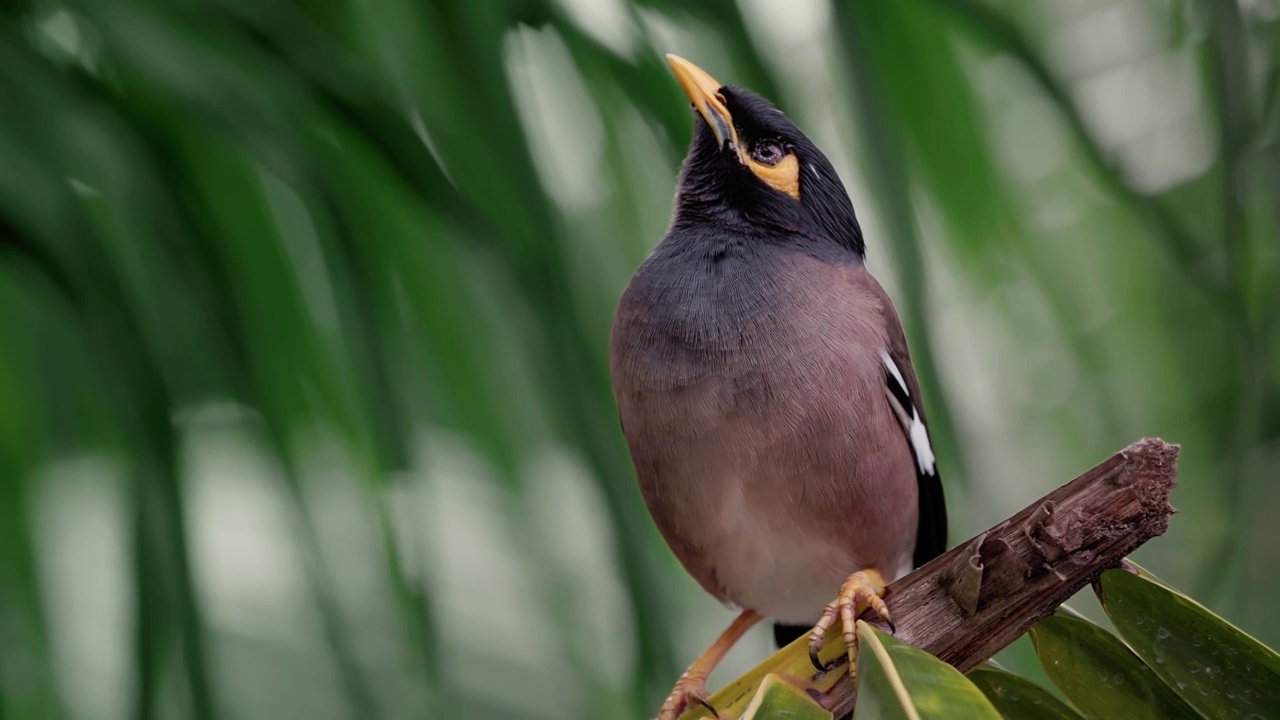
<point>304,310</point>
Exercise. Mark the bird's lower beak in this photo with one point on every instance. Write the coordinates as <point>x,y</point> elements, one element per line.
<point>704,93</point>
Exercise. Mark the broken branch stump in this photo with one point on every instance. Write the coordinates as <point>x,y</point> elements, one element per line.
<point>972,601</point>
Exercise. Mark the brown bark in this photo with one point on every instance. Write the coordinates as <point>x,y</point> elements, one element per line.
<point>983,594</point>
<point>1031,563</point>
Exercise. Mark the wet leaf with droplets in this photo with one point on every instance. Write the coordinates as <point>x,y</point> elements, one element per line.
<point>1216,668</point>
<point>1099,675</point>
<point>1017,698</point>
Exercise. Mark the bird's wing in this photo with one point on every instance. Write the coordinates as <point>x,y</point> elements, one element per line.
<point>903,393</point>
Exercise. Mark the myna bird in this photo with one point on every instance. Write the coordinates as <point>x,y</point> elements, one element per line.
<point>765,389</point>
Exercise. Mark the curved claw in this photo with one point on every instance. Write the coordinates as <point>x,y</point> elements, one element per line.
<point>689,690</point>
<point>813,656</point>
<point>815,646</point>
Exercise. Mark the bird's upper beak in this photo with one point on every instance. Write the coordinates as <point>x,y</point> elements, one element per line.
<point>704,93</point>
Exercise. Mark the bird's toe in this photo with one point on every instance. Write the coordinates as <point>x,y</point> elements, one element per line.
<point>859,591</point>
<point>690,691</point>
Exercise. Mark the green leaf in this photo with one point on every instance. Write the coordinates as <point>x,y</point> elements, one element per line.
<point>778,698</point>
<point>896,680</point>
<point>1017,698</point>
<point>1217,668</point>
<point>1099,675</point>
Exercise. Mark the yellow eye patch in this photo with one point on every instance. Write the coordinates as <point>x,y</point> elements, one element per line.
<point>783,175</point>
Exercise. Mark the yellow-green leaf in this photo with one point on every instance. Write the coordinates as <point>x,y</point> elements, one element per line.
<point>793,663</point>
<point>1099,675</point>
<point>1017,698</point>
<point>896,680</point>
<point>1216,668</point>
<point>778,699</point>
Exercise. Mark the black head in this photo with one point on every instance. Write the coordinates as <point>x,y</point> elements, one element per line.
<point>749,167</point>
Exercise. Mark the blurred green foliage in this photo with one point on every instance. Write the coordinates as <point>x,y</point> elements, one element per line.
<point>304,309</point>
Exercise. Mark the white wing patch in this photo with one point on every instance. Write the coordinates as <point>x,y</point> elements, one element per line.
<point>917,434</point>
<point>892,367</point>
<point>920,443</point>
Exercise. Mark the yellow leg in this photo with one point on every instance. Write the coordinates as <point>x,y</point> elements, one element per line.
<point>692,687</point>
<point>859,591</point>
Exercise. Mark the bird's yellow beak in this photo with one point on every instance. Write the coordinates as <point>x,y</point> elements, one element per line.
<point>704,93</point>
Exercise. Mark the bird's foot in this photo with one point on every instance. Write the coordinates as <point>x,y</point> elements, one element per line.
<point>690,690</point>
<point>859,591</point>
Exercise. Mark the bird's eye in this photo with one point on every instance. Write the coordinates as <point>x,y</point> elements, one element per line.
<point>768,152</point>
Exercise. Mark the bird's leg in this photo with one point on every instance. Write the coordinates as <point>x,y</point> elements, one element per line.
<point>859,591</point>
<point>692,687</point>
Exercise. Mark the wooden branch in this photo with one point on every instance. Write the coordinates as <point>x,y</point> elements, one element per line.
<point>972,601</point>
